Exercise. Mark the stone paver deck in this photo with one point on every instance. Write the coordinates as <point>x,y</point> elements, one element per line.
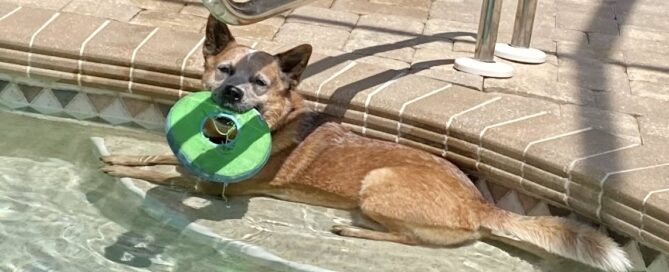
<point>592,123</point>
<point>607,58</point>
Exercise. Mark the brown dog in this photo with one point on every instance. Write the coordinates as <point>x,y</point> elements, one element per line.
<point>413,196</point>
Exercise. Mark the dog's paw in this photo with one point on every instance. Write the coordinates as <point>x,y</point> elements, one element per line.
<point>340,229</point>
<point>116,170</point>
<point>110,159</point>
<point>124,160</point>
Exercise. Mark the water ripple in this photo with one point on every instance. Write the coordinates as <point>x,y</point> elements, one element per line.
<point>48,224</point>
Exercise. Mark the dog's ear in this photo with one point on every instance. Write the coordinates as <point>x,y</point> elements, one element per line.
<point>218,38</point>
<point>294,61</point>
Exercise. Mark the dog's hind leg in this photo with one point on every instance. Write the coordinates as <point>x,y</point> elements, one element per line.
<point>350,231</point>
<point>140,160</point>
<point>419,205</point>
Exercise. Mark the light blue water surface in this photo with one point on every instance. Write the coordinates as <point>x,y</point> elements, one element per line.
<point>59,213</point>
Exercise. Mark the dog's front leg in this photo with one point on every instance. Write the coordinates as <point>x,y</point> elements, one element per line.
<point>158,177</point>
<point>140,160</point>
<point>176,178</point>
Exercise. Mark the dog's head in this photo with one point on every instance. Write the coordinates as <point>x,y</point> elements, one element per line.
<point>241,78</point>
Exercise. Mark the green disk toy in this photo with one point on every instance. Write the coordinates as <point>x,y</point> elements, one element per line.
<point>215,143</point>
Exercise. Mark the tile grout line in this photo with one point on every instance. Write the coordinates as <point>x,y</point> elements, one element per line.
<point>183,65</point>
<point>406,104</point>
<point>507,122</point>
<point>643,211</point>
<point>134,55</point>
<point>451,119</point>
<point>550,138</point>
<point>573,164</point>
<point>368,99</point>
<point>332,77</point>
<point>10,13</point>
<point>83,47</point>
<point>32,41</point>
<point>603,180</point>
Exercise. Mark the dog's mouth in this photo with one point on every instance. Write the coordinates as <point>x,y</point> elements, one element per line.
<point>239,108</point>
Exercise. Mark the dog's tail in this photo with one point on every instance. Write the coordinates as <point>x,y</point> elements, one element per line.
<point>560,236</point>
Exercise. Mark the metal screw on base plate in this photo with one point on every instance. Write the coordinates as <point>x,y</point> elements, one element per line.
<point>520,54</point>
<point>483,68</point>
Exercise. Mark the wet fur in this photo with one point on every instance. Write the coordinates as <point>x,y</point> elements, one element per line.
<point>416,197</point>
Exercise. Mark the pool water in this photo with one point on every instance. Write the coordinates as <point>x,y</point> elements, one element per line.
<point>59,213</point>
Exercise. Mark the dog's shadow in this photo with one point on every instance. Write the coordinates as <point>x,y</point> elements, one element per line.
<point>165,211</point>
<point>196,206</point>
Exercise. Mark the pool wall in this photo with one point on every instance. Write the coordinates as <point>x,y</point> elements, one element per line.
<point>83,103</point>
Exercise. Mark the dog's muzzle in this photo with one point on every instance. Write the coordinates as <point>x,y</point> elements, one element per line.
<point>231,95</point>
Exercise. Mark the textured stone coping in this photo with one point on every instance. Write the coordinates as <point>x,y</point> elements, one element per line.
<point>521,143</point>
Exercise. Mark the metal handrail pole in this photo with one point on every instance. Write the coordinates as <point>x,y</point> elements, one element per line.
<point>483,63</point>
<point>524,23</point>
<point>487,32</point>
<point>519,49</point>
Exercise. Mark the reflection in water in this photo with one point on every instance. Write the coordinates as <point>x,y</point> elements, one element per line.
<point>47,223</point>
<point>133,249</point>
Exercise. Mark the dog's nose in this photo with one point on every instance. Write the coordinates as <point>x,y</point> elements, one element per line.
<point>232,94</point>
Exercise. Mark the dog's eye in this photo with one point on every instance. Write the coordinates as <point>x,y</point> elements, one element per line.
<point>259,82</point>
<point>225,70</point>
